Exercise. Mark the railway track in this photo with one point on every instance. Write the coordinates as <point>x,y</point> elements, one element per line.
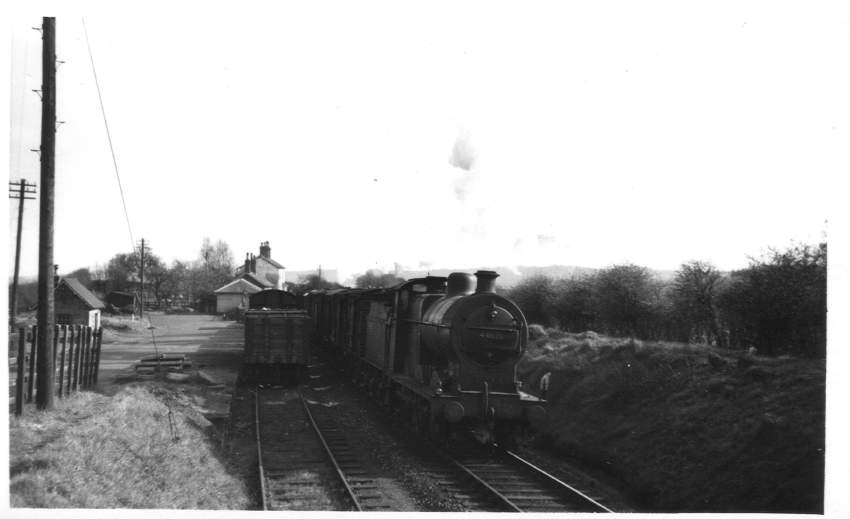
<point>516,485</point>
<point>305,461</point>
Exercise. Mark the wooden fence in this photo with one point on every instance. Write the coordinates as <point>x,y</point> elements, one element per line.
<point>76,359</point>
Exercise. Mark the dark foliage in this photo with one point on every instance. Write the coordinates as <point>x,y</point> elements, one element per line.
<point>377,279</point>
<point>776,305</point>
<point>314,282</point>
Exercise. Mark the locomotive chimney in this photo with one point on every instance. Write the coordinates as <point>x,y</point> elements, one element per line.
<point>460,284</point>
<point>486,282</point>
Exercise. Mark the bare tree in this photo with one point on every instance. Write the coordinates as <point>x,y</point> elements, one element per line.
<point>694,293</point>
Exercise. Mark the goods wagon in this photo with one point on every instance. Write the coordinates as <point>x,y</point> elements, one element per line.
<point>277,343</point>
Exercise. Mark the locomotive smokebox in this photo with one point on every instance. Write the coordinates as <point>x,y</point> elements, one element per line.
<point>460,284</point>
<point>486,282</point>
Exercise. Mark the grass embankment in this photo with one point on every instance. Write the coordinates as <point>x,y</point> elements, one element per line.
<point>124,328</point>
<point>687,428</point>
<point>145,447</point>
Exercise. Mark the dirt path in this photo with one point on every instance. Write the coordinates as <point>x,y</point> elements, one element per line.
<point>213,345</point>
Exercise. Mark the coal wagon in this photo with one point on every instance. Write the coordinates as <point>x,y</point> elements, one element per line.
<point>278,336</point>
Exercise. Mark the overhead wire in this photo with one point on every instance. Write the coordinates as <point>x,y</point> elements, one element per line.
<point>115,164</point>
<point>109,137</point>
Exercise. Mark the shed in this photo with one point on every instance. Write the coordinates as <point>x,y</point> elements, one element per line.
<point>76,304</point>
<point>234,295</point>
<point>122,300</point>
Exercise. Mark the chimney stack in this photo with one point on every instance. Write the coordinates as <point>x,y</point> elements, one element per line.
<point>247,268</point>
<point>281,279</point>
<point>253,264</point>
<point>55,276</point>
<point>486,282</point>
<point>265,250</point>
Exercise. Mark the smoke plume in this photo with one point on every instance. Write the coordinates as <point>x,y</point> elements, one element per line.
<point>463,157</point>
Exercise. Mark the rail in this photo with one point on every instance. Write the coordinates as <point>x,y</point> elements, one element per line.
<point>263,497</point>
<point>332,458</point>
<point>560,497</point>
<point>599,507</point>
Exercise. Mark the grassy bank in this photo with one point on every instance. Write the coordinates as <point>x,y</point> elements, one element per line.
<point>687,428</point>
<point>145,447</point>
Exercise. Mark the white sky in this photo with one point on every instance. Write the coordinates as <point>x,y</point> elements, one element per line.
<point>654,133</point>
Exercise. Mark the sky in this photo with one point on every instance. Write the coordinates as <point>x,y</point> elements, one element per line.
<point>468,135</point>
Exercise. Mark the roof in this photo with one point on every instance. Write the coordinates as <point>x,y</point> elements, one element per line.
<point>241,268</point>
<point>271,261</point>
<point>257,280</point>
<point>238,286</point>
<point>83,293</point>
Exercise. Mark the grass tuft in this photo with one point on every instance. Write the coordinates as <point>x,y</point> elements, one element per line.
<point>142,448</point>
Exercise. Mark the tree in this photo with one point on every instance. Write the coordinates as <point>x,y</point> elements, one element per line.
<point>214,267</point>
<point>83,275</point>
<point>216,257</point>
<point>377,279</point>
<point>156,276</point>
<point>694,293</point>
<point>574,304</point>
<point>778,303</point>
<point>624,296</point>
<point>122,271</point>
<point>314,282</point>
<point>536,297</point>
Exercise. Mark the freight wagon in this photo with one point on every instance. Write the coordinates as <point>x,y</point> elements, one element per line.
<point>277,340</point>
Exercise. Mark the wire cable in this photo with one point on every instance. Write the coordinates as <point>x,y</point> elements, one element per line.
<point>109,137</point>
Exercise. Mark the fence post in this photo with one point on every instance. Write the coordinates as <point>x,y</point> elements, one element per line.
<point>84,332</point>
<point>19,387</point>
<point>70,360</point>
<point>56,329</point>
<point>62,358</point>
<point>76,370</point>
<point>98,343</point>
<point>87,358</point>
<point>32,363</point>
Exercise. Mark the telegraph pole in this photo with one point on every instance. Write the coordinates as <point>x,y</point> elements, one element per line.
<point>18,190</point>
<point>46,316</point>
<point>142,283</point>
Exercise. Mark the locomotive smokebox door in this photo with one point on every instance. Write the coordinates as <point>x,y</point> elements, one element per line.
<point>491,335</point>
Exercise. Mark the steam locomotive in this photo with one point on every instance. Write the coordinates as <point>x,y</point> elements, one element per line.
<point>438,352</point>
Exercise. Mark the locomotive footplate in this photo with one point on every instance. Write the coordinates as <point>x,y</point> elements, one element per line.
<point>469,405</point>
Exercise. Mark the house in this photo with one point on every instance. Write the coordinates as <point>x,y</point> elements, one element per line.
<point>263,266</point>
<point>256,274</point>
<point>75,304</point>
<point>234,295</point>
